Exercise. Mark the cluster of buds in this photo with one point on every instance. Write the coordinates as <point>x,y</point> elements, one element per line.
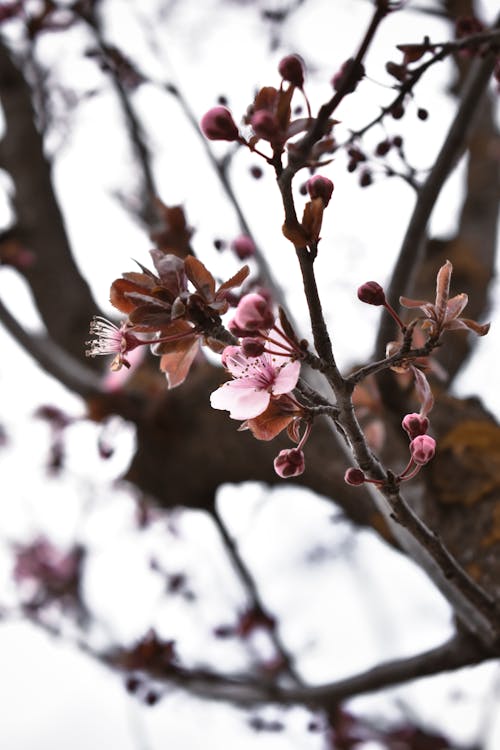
<point>422,446</point>
<point>422,450</point>
<point>444,314</point>
<point>269,117</point>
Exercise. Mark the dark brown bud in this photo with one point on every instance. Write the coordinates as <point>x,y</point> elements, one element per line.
<point>383,147</point>
<point>291,68</point>
<point>397,112</point>
<point>371,293</point>
<point>365,178</point>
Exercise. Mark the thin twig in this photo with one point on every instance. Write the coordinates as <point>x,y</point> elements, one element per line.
<point>412,249</point>
<point>254,596</point>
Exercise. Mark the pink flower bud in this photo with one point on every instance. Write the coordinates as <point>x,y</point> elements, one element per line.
<point>254,313</point>
<point>289,463</point>
<point>371,293</point>
<point>291,68</point>
<point>264,125</point>
<point>252,347</point>
<point>218,125</point>
<point>243,246</point>
<point>354,476</point>
<point>415,424</point>
<point>422,449</point>
<point>320,187</point>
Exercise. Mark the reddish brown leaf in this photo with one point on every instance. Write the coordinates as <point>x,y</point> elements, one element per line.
<point>236,280</point>
<point>150,317</point>
<point>313,218</point>
<point>177,363</point>
<point>283,110</point>
<point>178,331</point>
<point>200,277</point>
<point>296,235</point>
<point>146,281</point>
<point>118,295</point>
<point>175,234</point>
<point>265,98</point>
<point>270,423</point>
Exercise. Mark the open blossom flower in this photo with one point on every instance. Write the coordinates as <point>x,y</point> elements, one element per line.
<point>255,381</point>
<point>444,313</point>
<point>112,339</point>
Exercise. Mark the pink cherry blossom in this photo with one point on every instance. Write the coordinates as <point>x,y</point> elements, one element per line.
<point>112,339</point>
<point>255,381</point>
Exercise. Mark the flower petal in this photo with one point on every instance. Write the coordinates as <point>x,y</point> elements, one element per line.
<point>471,325</point>
<point>241,402</point>
<point>423,390</point>
<point>407,302</point>
<point>235,361</point>
<point>443,289</point>
<point>455,306</point>
<point>287,377</point>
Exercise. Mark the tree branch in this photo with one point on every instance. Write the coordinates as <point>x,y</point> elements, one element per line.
<point>460,651</point>
<point>68,370</point>
<point>61,294</point>
<point>412,249</point>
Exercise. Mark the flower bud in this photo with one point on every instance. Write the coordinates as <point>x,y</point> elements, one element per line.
<point>291,68</point>
<point>350,70</point>
<point>354,476</point>
<point>320,187</point>
<point>422,449</point>
<point>371,293</point>
<point>289,463</point>
<point>264,124</point>
<point>254,313</point>
<point>252,347</point>
<point>243,246</point>
<point>218,125</point>
<point>415,424</point>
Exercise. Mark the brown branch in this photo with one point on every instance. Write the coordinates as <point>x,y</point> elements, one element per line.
<point>61,294</point>
<point>321,122</point>
<point>412,249</point>
<point>147,190</point>
<point>54,360</point>
<point>255,598</point>
<point>460,651</point>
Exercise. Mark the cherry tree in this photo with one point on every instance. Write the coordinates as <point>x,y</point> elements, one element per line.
<point>234,365</point>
